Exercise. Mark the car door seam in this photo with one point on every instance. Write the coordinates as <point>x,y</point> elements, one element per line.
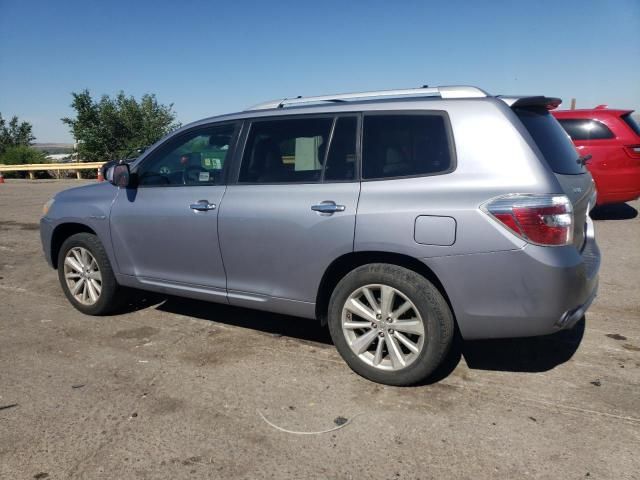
<point>219,241</point>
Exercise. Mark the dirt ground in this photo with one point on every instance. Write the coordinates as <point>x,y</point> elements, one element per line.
<point>177,388</point>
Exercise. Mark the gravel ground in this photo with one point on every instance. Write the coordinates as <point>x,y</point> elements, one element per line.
<point>176,388</point>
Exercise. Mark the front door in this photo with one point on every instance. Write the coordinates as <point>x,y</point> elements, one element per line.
<point>165,231</point>
<point>292,211</point>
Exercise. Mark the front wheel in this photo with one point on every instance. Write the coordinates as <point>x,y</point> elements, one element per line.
<point>390,324</point>
<point>86,276</point>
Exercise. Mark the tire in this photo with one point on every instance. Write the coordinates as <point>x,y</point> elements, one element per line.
<point>109,296</point>
<point>426,311</point>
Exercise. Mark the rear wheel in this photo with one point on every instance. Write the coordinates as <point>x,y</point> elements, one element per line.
<point>86,276</point>
<point>390,324</point>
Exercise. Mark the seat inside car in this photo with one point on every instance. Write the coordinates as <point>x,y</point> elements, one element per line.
<point>267,162</point>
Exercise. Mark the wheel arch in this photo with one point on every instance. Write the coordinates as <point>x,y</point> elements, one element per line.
<point>344,264</point>
<point>61,233</point>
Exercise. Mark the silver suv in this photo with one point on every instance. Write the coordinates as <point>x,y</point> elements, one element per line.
<point>392,216</point>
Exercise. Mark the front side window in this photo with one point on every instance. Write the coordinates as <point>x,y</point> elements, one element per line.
<point>583,129</point>
<point>401,145</point>
<point>285,151</point>
<point>195,158</point>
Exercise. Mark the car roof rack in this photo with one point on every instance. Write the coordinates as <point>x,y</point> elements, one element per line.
<point>456,91</point>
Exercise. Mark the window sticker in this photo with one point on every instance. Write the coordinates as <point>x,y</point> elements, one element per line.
<point>213,163</point>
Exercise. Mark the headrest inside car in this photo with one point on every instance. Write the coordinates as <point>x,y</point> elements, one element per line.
<point>219,140</point>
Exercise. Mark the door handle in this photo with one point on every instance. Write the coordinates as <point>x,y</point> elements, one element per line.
<point>202,206</point>
<point>328,207</point>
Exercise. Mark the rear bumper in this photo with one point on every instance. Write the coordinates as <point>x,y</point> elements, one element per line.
<point>573,316</point>
<point>618,186</point>
<point>617,197</point>
<point>520,293</point>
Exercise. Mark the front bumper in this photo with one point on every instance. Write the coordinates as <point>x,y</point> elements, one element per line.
<point>46,232</point>
<point>520,293</point>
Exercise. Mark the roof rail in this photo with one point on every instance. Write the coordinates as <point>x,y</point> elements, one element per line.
<point>442,92</point>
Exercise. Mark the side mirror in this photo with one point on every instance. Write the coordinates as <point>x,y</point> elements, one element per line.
<point>119,175</point>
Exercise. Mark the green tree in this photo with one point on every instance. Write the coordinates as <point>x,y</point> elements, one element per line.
<point>110,128</point>
<point>22,154</point>
<point>14,133</point>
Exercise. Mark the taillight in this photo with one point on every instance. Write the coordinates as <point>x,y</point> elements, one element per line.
<point>539,219</point>
<point>633,150</point>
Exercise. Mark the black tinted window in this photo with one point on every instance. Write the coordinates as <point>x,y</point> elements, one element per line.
<point>405,145</point>
<point>195,158</point>
<point>289,151</point>
<point>582,129</point>
<point>552,140</point>
<point>341,161</point>
<point>633,124</point>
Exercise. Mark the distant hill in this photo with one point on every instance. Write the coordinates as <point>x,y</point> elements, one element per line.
<point>54,148</point>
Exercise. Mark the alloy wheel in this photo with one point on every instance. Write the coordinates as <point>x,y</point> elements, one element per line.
<point>383,327</point>
<point>82,274</point>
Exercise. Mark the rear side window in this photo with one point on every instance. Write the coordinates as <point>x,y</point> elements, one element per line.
<point>552,140</point>
<point>632,122</point>
<point>285,151</point>
<point>584,129</point>
<point>405,145</point>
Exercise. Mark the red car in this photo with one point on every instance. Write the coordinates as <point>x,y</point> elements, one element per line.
<point>612,138</point>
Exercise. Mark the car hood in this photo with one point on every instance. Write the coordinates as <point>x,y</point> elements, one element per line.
<point>92,190</point>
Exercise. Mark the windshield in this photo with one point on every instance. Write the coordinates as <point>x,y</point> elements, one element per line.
<point>554,143</point>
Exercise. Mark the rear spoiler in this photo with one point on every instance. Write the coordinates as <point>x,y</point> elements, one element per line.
<point>538,101</point>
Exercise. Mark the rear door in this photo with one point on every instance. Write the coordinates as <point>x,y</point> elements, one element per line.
<point>292,210</point>
<point>563,159</point>
<point>591,137</point>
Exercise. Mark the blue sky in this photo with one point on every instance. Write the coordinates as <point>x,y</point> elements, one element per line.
<point>210,57</point>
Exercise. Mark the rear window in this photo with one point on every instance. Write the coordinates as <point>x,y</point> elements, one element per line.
<point>585,129</point>
<point>405,145</point>
<point>632,122</point>
<point>552,140</point>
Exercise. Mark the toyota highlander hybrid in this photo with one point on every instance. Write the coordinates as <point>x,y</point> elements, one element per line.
<point>393,217</point>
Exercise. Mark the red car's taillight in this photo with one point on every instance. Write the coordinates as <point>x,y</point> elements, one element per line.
<point>539,219</point>
<point>633,150</point>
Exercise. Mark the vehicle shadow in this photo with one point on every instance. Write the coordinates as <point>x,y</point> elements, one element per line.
<point>270,323</point>
<point>535,354</point>
<point>617,211</point>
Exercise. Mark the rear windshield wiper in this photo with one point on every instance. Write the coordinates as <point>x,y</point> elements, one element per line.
<point>584,159</point>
